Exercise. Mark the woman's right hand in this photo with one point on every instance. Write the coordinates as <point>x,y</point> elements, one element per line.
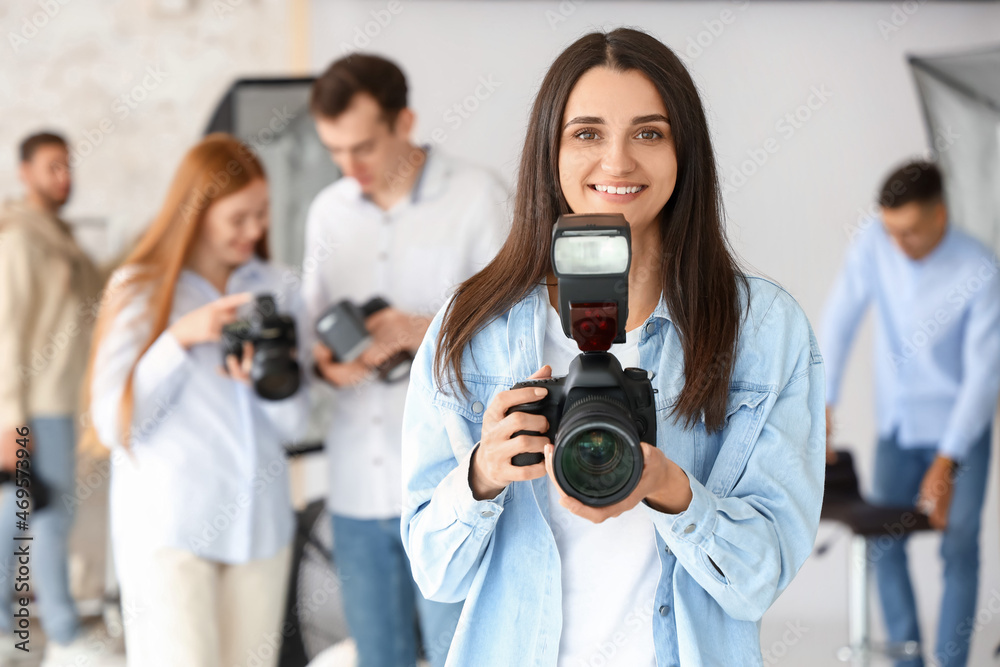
<point>491,470</point>
<point>204,325</point>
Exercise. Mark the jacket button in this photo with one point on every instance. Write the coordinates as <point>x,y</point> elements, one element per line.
<point>664,610</point>
<point>477,407</point>
<point>486,513</point>
<point>650,327</point>
<point>667,549</point>
<point>689,529</point>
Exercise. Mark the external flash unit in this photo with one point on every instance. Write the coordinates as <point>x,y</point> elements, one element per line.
<point>591,257</point>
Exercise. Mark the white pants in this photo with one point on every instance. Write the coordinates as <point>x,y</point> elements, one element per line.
<point>183,611</point>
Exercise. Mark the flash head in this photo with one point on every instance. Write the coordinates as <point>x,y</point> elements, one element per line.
<point>591,257</point>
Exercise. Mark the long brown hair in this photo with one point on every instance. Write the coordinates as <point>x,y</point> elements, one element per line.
<point>701,278</point>
<point>216,167</point>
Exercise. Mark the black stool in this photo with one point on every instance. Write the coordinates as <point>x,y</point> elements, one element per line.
<point>842,502</point>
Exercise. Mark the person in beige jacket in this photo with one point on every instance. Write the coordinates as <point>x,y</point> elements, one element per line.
<point>49,290</point>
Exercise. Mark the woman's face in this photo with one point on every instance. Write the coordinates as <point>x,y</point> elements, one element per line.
<point>235,223</point>
<point>616,153</point>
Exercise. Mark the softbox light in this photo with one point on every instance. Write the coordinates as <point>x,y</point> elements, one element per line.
<point>960,95</point>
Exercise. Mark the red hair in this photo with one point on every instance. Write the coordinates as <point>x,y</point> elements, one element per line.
<point>216,167</point>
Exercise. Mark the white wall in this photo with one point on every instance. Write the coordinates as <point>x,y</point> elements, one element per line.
<point>791,220</point>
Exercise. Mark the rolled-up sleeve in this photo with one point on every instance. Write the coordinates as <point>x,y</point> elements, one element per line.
<point>446,532</point>
<point>845,309</point>
<point>744,547</point>
<point>976,403</point>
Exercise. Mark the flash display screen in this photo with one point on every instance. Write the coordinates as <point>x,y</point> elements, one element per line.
<point>592,253</point>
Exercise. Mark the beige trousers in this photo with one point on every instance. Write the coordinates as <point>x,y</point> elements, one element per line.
<point>183,611</point>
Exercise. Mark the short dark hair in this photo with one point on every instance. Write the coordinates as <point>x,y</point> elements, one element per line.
<point>357,73</point>
<point>31,144</point>
<point>918,181</point>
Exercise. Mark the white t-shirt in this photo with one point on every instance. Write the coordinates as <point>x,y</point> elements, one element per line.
<point>609,570</point>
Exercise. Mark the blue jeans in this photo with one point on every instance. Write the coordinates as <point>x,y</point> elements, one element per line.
<point>898,474</point>
<point>53,460</point>
<point>381,601</point>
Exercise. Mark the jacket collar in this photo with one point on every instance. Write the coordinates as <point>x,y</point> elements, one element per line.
<point>433,179</point>
<point>538,299</point>
<point>249,272</point>
<point>526,330</point>
<point>49,228</point>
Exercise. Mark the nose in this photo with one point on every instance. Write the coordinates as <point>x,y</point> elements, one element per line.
<point>62,177</point>
<point>348,164</point>
<point>257,228</point>
<point>617,159</point>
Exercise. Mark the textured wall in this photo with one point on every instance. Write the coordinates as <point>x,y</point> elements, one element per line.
<point>130,84</point>
<point>131,88</point>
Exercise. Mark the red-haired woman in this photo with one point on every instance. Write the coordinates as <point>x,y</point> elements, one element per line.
<point>201,518</point>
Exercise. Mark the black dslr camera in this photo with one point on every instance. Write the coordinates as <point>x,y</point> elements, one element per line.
<point>275,372</point>
<point>342,329</point>
<point>598,413</point>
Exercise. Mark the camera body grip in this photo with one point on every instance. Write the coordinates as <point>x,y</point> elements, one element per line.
<point>549,406</point>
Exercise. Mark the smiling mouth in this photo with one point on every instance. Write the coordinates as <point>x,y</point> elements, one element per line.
<point>617,190</point>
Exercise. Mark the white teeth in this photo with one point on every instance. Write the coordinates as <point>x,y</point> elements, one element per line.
<point>623,190</point>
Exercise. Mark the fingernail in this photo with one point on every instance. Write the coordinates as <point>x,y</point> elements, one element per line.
<point>540,392</point>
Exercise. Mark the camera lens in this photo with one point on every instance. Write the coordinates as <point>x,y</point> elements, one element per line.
<point>277,385</point>
<point>598,457</point>
<point>275,373</point>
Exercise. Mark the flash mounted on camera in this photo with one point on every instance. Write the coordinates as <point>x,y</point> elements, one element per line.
<point>591,256</point>
<point>598,414</point>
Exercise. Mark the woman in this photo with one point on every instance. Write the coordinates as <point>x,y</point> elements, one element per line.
<point>727,507</point>
<point>201,518</point>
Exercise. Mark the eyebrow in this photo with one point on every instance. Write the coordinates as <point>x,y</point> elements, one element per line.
<point>597,120</point>
<point>350,149</point>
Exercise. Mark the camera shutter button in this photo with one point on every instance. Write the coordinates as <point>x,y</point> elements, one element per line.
<point>636,374</point>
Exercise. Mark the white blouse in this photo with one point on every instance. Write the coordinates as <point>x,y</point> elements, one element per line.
<point>205,469</point>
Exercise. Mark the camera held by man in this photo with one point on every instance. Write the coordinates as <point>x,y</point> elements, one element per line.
<point>343,329</point>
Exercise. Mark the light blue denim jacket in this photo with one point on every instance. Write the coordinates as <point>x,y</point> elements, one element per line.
<point>757,486</point>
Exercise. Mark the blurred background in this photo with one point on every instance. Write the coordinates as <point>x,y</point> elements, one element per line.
<point>133,83</point>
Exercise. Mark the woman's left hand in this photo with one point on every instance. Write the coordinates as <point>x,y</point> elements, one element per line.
<point>239,369</point>
<point>663,484</point>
